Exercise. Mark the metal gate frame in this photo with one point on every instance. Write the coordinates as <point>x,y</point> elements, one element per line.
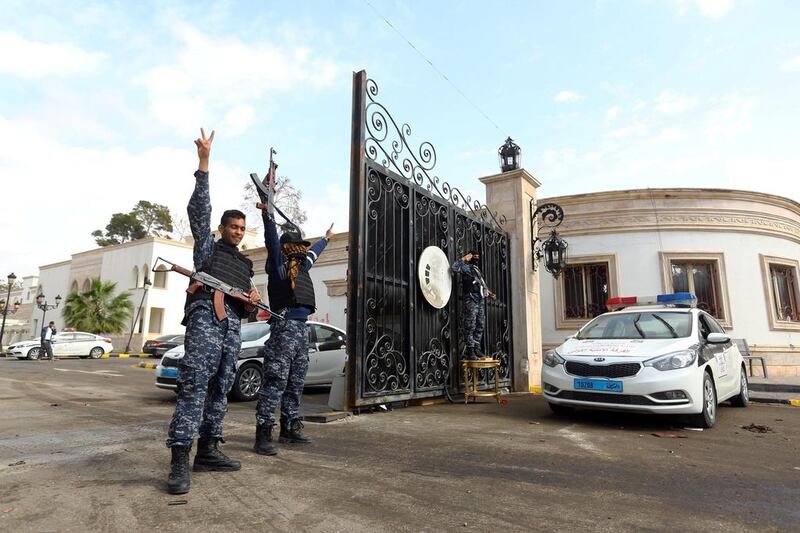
<point>399,347</point>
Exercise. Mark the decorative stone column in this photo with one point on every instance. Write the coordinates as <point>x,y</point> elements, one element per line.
<point>510,193</point>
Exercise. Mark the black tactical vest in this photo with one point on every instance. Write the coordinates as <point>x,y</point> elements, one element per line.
<point>227,264</point>
<point>470,283</point>
<point>281,295</point>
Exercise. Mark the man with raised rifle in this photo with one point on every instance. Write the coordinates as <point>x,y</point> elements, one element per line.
<point>213,324</point>
<point>291,293</point>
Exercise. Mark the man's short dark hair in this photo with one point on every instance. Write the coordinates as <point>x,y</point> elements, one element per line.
<point>51,323</point>
<point>229,214</point>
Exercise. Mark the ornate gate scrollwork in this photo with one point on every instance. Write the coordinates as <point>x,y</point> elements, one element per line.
<point>399,346</point>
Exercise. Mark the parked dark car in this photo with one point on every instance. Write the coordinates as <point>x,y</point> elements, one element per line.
<point>160,345</point>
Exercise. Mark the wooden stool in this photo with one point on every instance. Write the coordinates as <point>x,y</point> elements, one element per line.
<point>475,365</point>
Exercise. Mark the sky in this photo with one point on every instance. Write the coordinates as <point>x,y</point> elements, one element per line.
<point>100,101</point>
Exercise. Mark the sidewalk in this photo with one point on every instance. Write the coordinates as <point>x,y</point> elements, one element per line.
<point>784,390</point>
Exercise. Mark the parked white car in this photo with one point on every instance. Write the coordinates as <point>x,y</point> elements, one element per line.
<point>326,350</point>
<point>668,358</point>
<point>65,344</point>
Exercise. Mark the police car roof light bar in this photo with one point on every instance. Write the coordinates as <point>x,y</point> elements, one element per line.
<point>678,299</point>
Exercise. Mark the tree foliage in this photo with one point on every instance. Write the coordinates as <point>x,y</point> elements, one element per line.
<point>146,218</point>
<point>155,219</point>
<point>98,310</point>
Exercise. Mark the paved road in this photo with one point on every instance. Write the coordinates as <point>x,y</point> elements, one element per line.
<point>81,448</point>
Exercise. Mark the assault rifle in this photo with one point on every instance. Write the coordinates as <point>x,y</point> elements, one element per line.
<point>220,288</point>
<point>266,191</point>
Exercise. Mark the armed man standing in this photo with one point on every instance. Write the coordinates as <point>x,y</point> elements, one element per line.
<point>213,324</point>
<point>291,292</point>
<point>475,291</point>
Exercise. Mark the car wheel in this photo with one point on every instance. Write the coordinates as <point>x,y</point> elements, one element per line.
<point>96,352</point>
<point>708,416</point>
<point>743,398</point>
<point>34,353</point>
<point>561,409</point>
<point>247,383</point>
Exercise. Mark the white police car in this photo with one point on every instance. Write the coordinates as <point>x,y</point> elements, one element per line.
<point>653,355</point>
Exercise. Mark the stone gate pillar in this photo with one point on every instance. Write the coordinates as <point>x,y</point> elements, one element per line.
<point>510,193</point>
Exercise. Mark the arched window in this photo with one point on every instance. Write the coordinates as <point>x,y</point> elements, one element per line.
<point>87,285</point>
<point>74,288</point>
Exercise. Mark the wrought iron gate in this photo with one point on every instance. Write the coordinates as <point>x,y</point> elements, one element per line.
<point>399,346</point>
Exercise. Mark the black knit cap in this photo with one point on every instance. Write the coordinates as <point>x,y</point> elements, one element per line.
<point>292,234</point>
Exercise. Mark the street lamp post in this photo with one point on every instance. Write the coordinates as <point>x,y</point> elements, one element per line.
<point>4,304</point>
<point>145,285</point>
<point>41,303</point>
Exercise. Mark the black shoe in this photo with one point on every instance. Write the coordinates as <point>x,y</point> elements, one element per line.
<point>179,478</point>
<point>209,458</point>
<point>264,445</point>
<point>292,433</point>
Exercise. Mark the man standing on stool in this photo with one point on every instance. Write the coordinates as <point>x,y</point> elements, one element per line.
<point>475,291</point>
<point>291,292</point>
<point>207,371</point>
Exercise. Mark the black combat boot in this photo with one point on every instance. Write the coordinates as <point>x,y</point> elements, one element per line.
<point>210,458</point>
<point>292,433</point>
<point>264,444</point>
<point>179,478</point>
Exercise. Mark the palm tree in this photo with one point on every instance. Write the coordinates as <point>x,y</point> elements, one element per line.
<point>98,310</point>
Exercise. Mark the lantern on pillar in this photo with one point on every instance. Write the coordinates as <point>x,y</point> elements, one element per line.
<point>546,218</point>
<point>509,155</point>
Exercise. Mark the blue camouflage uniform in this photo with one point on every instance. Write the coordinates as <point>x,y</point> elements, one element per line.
<point>286,350</point>
<point>474,311</point>
<point>206,372</point>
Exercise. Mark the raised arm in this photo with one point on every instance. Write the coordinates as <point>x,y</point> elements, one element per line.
<point>199,208</point>
<point>461,266</point>
<point>274,265</point>
<point>316,250</point>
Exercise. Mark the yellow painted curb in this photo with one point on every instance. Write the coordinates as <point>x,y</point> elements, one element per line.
<point>795,403</point>
<point>105,356</point>
<point>151,366</point>
<point>124,355</point>
<point>535,389</point>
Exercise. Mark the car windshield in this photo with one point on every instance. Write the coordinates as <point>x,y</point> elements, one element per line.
<point>254,331</point>
<point>644,325</point>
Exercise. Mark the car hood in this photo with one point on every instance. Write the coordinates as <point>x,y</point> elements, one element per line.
<point>175,353</point>
<point>25,343</point>
<point>621,347</point>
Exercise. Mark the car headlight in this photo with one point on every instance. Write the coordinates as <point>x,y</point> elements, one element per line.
<point>673,361</point>
<point>551,358</point>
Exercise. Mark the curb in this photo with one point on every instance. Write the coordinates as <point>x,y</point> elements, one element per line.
<point>127,355</point>
<point>151,366</point>
<point>781,401</point>
<point>535,389</point>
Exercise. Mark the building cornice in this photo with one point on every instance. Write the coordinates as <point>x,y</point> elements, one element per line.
<point>679,210</point>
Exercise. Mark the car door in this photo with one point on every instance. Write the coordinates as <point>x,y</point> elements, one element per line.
<point>328,359</point>
<point>63,344</point>
<point>715,355</point>
<point>83,343</point>
<point>732,360</point>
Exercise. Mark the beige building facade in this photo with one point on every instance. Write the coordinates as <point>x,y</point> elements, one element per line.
<point>737,251</point>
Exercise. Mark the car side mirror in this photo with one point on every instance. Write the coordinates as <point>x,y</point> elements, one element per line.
<point>718,338</point>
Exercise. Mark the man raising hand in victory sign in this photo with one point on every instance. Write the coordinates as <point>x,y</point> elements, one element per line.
<point>207,371</point>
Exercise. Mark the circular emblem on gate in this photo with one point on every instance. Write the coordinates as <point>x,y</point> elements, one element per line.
<point>434,276</point>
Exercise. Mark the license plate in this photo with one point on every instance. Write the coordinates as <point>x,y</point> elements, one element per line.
<point>603,385</point>
<point>169,373</point>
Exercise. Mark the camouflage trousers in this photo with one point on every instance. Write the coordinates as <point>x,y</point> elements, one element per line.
<point>285,366</point>
<point>205,375</point>
<point>474,318</point>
